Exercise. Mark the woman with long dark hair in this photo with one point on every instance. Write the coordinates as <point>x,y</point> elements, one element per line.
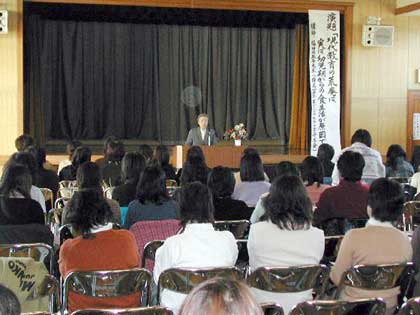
<point>132,166</point>
<point>195,167</point>
<point>199,245</point>
<point>162,158</point>
<point>98,246</point>
<point>312,174</point>
<point>153,202</point>
<point>288,221</point>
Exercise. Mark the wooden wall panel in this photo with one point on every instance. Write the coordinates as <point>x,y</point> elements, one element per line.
<point>413,52</point>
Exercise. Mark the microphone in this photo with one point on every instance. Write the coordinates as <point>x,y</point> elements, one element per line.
<point>209,141</point>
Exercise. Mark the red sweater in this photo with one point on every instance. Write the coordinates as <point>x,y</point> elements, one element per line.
<point>108,250</point>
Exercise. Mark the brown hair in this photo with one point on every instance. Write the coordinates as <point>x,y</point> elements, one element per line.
<point>220,296</point>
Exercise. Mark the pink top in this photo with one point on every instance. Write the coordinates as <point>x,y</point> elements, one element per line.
<point>314,192</point>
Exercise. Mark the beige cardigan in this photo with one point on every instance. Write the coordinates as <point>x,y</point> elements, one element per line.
<point>375,244</point>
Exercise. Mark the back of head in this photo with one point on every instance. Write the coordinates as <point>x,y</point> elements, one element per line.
<point>16,178</point>
<point>312,170</point>
<point>196,205</point>
<point>195,168</point>
<point>147,151</point>
<point>132,165</point>
<point>221,296</point>
<point>221,182</point>
<point>350,165</point>
<point>81,155</point>
<point>162,155</point>
<point>394,154</point>
<point>39,154</point>
<point>286,168</point>
<point>251,168</point>
<point>71,146</point>
<point>89,176</point>
<point>287,205</point>
<point>88,209</point>
<point>107,141</point>
<point>9,303</point>
<point>362,136</point>
<point>27,159</point>
<point>152,186</point>
<point>386,199</point>
<point>325,152</point>
<point>23,141</point>
<point>115,151</point>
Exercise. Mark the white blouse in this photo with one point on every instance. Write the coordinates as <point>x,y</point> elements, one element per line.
<point>270,246</point>
<point>199,246</point>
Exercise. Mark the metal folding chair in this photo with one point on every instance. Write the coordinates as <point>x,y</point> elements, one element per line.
<point>272,309</point>
<point>411,307</point>
<point>154,310</point>
<point>332,246</point>
<point>239,228</point>
<point>48,196</point>
<point>149,251</point>
<point>108,284</point>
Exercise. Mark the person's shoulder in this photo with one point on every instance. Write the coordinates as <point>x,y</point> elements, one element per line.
<point>317,231</point>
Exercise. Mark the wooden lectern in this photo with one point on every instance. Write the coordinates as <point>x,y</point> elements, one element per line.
<point>218,155</point>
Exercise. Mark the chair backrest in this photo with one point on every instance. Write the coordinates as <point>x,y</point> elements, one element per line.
<point>67,188</point>
<point>411,307</point>
<point>411,216</point>
<point>272,309</point>
<point>358,307</point>
<point>339,226</point>
<point>48,196</point>
<point>147,231</point>
<point>239,228</point>
<point>290,279</point>
<point>108,284</point>
<point>377,277</point>
<point>243,257</point>
<point>332,246</point>
<point>149,251</point>
<point>37,251</point>
<point>153,310</point>
<point>183,280</point>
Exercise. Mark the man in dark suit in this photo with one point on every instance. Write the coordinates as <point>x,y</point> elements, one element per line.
<point>202,135</point>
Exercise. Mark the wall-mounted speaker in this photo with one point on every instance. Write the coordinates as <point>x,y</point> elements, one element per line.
<point>378,36</point>
<point>3,22</point>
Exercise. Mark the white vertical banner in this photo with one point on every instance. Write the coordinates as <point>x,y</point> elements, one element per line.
<point>324,69</point>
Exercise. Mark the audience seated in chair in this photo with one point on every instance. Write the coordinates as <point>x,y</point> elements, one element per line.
<point>325,155</point>
<point>221,184</point>
<point>71,146</point>
<point>285,236</point>
<point>348,200</point>
<point>195,167</point>
<point>132,165</point>
<point>396,163</point>
<point>237,175</point>
<point>199,245</point>
<point>361,142</point>
<point>111,170</point>
<point>313,177</point>
<point>89,178</point>
<point>147,151</point>
<point>81,155</point>
<point>99,247</point>
<point>44,178</point>
<point>378,243</point>
<point>153,202</point>
<point>162,158</point>
<point>16,205</point>
<point>222,297</point>
<point>284,168</point>
<point>9,303</point>
<point>29,161</point>
<point>253,183</point>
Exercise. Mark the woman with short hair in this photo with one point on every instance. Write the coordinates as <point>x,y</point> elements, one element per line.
<point>313,177</point>
<point>132,166</point>
<point>253,183</point>
<point>99,247</point>
<point>221,183</point>
<point>199,245</point>
<point>221,296</point>
<point>153,202</point>
<point>285,236</point>
<point>377,243</point>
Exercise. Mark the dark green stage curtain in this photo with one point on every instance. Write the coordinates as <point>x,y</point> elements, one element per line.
<point>88,80</point>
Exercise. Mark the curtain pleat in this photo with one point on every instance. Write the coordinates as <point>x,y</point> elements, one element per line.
<point>299,123</point>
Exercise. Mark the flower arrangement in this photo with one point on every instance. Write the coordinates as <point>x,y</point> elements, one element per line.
<point>237,133</point>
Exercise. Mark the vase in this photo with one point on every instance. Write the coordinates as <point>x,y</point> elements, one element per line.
<point>238,142</point>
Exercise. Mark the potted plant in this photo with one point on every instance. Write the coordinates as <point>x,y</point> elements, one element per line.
<point>237,133</point>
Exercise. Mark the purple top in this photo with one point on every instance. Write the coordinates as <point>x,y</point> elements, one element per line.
<point>250,192</point>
